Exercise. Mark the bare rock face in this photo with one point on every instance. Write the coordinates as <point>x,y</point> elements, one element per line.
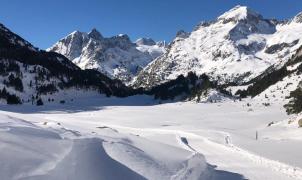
<point>298,18</point>
<point>145,41</point>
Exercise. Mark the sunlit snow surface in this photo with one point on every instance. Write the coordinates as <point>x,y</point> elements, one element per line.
<point>236,47</point>
<point>137,138</point>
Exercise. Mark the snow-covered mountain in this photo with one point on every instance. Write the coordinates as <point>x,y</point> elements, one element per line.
<point>28,74</point>
<point>236,47</point>
<point>117,56</point>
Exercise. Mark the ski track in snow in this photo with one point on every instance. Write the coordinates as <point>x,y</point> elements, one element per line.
<point>184,139</point>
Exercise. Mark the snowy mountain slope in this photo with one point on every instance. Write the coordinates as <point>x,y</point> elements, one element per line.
<point>28,74</point>
<point>148,45</point>
<point>117,56</point>
<point>10,39</point>
<point>236,47</point>
<point>276,85</point>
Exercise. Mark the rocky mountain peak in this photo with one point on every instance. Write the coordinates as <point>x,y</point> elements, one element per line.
<point>117,56</point>
<point>75,34</point>
<point>239,13</point>
<point>236,47</point>
<point>10,39</point>
<point>182,34</point>
<point>162,44</point>
<point>298,18</point>
<point>124,37</point>
<point>246,22</point>
<point>122,41</point>
<point>145,41</point>
<point>95,34</point>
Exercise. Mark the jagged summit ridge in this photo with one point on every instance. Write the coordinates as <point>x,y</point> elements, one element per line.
<point>145,41</point>
<point>297,18</point>
<point>30,75</point>
<point>94,33</point>
<point>9,38</point>
<point>117,56</point>
<point>240,13</point>
<point>236,47</point>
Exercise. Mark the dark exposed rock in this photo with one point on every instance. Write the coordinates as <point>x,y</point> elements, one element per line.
<point>278,47</point>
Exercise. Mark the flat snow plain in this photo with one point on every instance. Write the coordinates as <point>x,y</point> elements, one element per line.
<point>137,138</point>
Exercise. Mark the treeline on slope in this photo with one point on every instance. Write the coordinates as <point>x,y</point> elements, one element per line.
<point>76,77</point>
<point>57,65</point>
<point>10,98</point>
<point>263,81</point>
<point>12,70</point>
<point>189,87</point>
<point>271,77</point>
<point>294,105</point>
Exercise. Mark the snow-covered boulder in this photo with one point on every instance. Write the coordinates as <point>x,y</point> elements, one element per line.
<point>300,122</point>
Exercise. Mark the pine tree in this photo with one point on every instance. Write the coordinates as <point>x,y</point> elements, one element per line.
<point>40,102</point>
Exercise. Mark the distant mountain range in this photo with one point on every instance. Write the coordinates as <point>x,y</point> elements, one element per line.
<point>234,48</point>
<point>30,75</point>
<point>117,56</point>
<point>237,55</point>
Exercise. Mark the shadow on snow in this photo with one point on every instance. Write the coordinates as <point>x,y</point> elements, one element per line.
<point>83,104</point>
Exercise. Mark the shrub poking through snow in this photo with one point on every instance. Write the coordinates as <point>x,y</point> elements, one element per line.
<point>270,124</point>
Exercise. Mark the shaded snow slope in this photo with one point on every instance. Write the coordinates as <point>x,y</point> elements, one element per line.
<point>29,75</point>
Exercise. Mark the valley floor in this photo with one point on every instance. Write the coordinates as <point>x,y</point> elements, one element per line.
<point>137,138</point>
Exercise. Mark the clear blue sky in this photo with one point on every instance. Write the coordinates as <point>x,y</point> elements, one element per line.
<point>43,22</point>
